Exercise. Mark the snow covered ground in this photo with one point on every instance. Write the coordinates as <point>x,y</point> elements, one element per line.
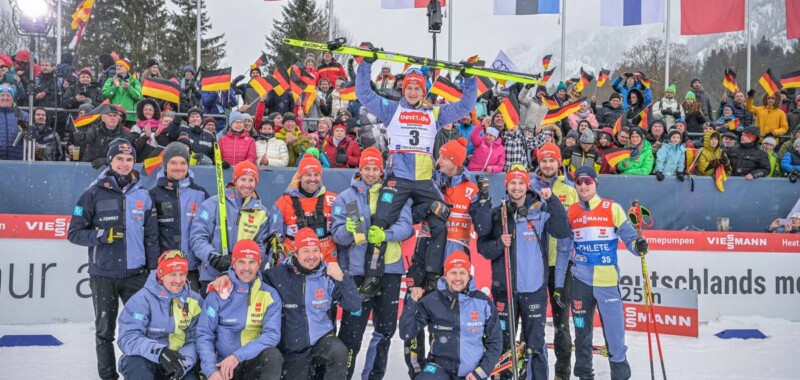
<point>707,357</point>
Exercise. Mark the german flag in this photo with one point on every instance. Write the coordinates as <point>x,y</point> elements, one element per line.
<point>281,76</point>
<point>263,85</point>
<point>546,76</point>
<point>161,89</point>
<point>89,118</point>
<point>584,81</point>
<point>476,60</point>
<point>348,91</point>
<point>642,78</point>
<point>546,61</point>
<point>406,66</point>
<point>484,84</point>
<point>446,89</point>
<point>509,108</point>
<point>261,61</point>
<point>308,101</point>
<point>692,156</point>
<point>729,81</point>
<point>769,82</point>
<point>550,102</point>
<point>216,80</point>
<point>790,80</point>
<point>300,81</point>
<point>617,127</point>
<point>601,79</point>
<point>153,163</point>
<point>720,177</point>
<point>616,156</point>
<point>644,120</point>
<point>559,114</point>
<point>733,124</point>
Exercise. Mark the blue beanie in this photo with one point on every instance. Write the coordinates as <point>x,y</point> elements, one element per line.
<point>587,171</point>
<point>120,146</point>
<point>188,68</point>
<point>234,116</point>
<point>8,88</point>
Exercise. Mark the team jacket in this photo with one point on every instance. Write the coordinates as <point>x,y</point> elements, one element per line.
<point>243,325</point>
<point>306,302</point>
<point>351,257</point>
<point>176,204</point>
<point>564,189</point>
<point>154,319</point>
<point>530,242</point>
<point>464,330</point>
<point>246,219</point>
<point>596,226</point>
<point>412,165</point>
<point>317,210</point>
<point>104,205</point>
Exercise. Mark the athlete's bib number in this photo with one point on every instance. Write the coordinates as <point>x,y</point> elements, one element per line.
<point>414,140</point>
<point>595,254</point>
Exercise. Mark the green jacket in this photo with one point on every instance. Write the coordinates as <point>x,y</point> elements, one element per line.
<point>774,165</point>
<point>642,164</point>
<point>127,98</point>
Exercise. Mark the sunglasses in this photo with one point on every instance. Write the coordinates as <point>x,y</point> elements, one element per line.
<point>171,254</point>
<point>584,181</point>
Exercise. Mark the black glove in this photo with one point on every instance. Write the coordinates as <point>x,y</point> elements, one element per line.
<point>667,112</point>
<point>751,93</point>
<point>341,159</point>
<point>225,165</point>
<point>221,263</point>
<point>558,296</point>
<point>439,209</point>
<point>714,163</point>
<point>114,233</point>
<point>172,362</point>
<point>99,163</point>
<point>681,176</point>
<point>659,176</point>
<point>22,124</point>
<point>463,72</point>
<point>724,161</point>
<point>198,157</point>
<point>370,46</point>
<point>238,79</point>
<point>483,187</point>
<point>793,176</point>
<point>641,246</point>
<point>528,86</point>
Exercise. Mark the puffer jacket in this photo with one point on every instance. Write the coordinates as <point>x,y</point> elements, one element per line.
<point>710,158</point>
<point>96,137</point>
<point>747,159</point>
<point>671,159</point>
<point>275,149</point>
<point>348,151</point>
<point>486,157</point>
<point>93,94</point>
<point>8,133</point>
<point>237,147</point>
<point>640,162</point>
<point>769,119</point>
<point>790,162</point>
<point>296,147</point>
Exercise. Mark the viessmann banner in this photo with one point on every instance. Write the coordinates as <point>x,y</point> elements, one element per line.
<point>43,277</point>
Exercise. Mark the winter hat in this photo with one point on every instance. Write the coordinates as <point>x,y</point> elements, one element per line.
<point>310,57</point>
<point>549,150</point>
<point>586,171</point>
<point>175,149</point>
<point>246,249</point>
<point>313,151</point>
<point>86,107</point>
<point>674,132</point>
<point>339,123</point>
<point>455,150</point>
<point>22,56</point>
<point>176,263</point>
<point>151,62</point>
<point>694,79</point>
<point>371,156</point>
<point>608,132</point>
<point>194,110</point>
<point>587,137</point>
<point>247,116</point>
<point>305,238</point>
<point>289,117</point>
<point>671,88</point>
<point>680,120</point>
<point>615,95</point>
<point>87,71</point>
<point>637,131</point>
<point>235,116</point>
<point>244,168</point>
<point>7,88</point>
<point>120,146</point>
<point>753,131</point>
<point>518,171</point>
<point>561,86</point>
<point>690,96</point>
<point>796,143</point>
<point>413,76</point>
<point>770,140</point>
<point>273,115</point>
<point>730,135</point>
<point>386,65</point>
<point>188,68</point>
<point>308,164</point>
<point>457,259</point>
<point>210,120</point>
<point>124,62</point>
<point>5,60</point>
<point>574,134</point>
<point>493,131</point>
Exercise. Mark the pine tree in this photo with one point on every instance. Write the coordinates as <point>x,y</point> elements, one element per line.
<point>300,20</point>
<point>183,49</point>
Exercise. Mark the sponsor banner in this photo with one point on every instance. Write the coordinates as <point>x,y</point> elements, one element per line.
<point>15,226</point>
<point>722,241</point>
<point>675,311</point>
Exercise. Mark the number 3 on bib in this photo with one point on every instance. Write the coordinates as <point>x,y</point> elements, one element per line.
<point>414,140</point>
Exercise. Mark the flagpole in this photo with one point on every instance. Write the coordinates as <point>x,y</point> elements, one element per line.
<point>58,33</point>
<point>669,18</point>
<point>450,30</point>
<point>198,36</point>
<point>330,20</point>
<point>563,37</point>
<point>749,41</point>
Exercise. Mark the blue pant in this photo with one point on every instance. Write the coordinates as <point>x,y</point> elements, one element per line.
<point>139,368</point>
<point>531,308</point>
<point>609,302</point>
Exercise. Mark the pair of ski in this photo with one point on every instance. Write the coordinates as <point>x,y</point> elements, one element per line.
<point>504,363</point>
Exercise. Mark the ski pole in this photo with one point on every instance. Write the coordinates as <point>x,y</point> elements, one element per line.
<point>512,316</point>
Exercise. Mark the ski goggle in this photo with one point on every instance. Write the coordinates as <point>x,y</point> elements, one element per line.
<point>584,180</point>
<point>171,254</point>
<point>414,70</point>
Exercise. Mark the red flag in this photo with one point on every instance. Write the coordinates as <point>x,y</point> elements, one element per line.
<point>711,16</point>
<point>792,19</point>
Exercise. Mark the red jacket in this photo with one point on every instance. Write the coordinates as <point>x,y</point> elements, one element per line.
<point>331,71</point>
<point>350,148</point>
<point>236,148</point>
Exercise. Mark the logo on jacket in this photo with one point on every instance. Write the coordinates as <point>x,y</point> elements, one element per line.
<point>578,304</point>
<point>251,219</point>
<point>602,231</point>
<point>319,293</point>
<point>501,307</point>
<point>193,207</point>
<point>562,198</point>
<point>140,205</point>
<point>258,307</point>
<point>414,117</point>
<point>577,234</point>
<point>474,315</point>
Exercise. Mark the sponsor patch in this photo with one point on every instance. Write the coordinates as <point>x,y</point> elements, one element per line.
<point>387,197</point>
<point>337,210</point>
<point>578,304</point>
<point>78,211</point>
<point>211,312</point>
<point>356,313</point>
<point>204,215</point>
<point>138,316</point>
<point>579,322</point>
<point>430,368</point>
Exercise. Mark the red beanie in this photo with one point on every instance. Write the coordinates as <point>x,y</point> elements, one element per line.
<point>306,237</point>
<point>246,249</point>
<point>415,77</point>
<point>549,150</point>
<point>245,168</point>
<point>175,263</point>
<point>308,164</point>
<point>371,156</point>
<point>455,150</point>
<point>457,259</point>
<point>518,172</point>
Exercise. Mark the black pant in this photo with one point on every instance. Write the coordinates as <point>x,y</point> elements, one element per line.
<point>194,280</point>
<point>562,341</point>
<point>268,365</point>
<point>203,288</point>
<point>329,353</point>
<point>139,368</point>
<point>394,194</point>
<point>106,293</point>
<point>414,349</point>
<point>531,308</point>
<point>384,317</point>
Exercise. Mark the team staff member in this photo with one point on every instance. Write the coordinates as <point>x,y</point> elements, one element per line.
<point>550,174</point>
<point>158,326</point>
<point>596,224</point>
<point>364,191</point>
<point>464,322</point>
<point>177,198</point>
<point>531,218</point>
<point>115,219</point>
<point>247,218</point>
<point>241,325</point>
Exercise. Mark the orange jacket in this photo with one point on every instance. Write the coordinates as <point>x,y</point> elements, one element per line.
<point>285,219</point>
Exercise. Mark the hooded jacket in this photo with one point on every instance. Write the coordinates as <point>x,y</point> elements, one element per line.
<point>623,89</point>
<point>671,159</point>
<point>634,110</point>
<point>640,161</point>
<point>668,110</point>
<point>486,156</point>
<point>296,147</point>
<point>710,158</point>
<point>275,149</point>
<point>536,110</point>
<point>769,118</point>
<point>605,168</point>
<point>155,319</point>
<point>349,151</point>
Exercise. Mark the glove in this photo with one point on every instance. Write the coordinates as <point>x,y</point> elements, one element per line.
<point>341,159</point>
<point>681,176</point>
<point>751,93</point>
<point>641,246</point>
<point>114,233</point>
<point>724,161</point>
<point>22,124</point>
<point>793,176</point>
<point>659,176</point>
<point>714,163</point>
<point>376,235</point>
<point>350,225</point>
<point>464,66</point>
<point>225,165</point>
<point>439,209</point>
<point>172,362</point>
<point>667,112</point>
<point>528,86</point>
<point>238,79</point>
<point>557,296</point>
<point>369,46</point>
<point>483,187</point>
<point>99,163</point>
<point>221,263</point>
<point>198,157</point>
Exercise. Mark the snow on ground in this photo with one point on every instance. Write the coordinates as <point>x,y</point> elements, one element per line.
<point>706,357</point>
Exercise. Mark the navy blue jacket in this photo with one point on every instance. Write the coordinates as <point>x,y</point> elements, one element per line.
<point>8,133</point>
